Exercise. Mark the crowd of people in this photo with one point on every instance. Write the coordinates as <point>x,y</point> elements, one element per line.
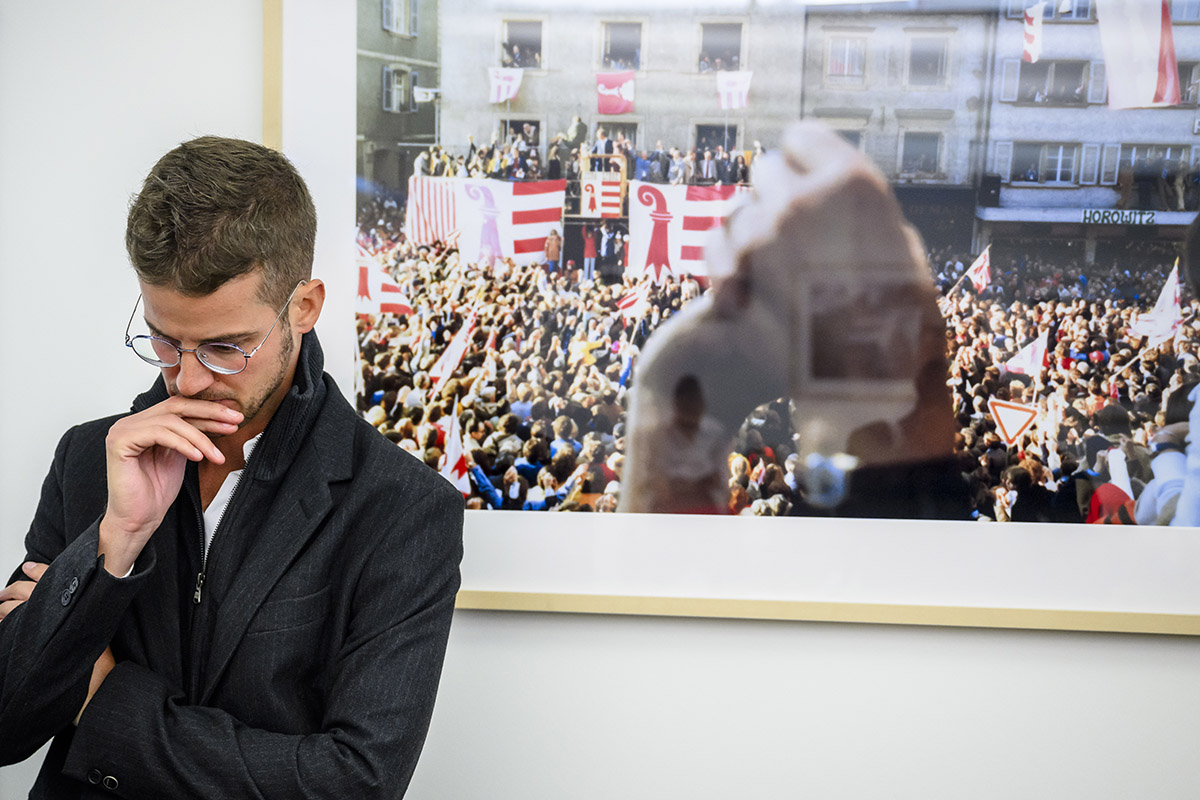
<point>542,389</point>
<point>518,157</point>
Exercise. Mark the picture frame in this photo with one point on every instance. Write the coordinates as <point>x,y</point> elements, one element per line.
<point>964,574</point>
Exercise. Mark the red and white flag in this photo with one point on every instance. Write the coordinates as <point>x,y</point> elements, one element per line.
<point>669,226</point>
<point>614,92</point>
<point>733,89</point>
<point>500,219</point>
<point>1166,318</point>
<point>1139,53</point>
<point>504,83</point>
<point>1033,32</point>
<point>429,215</point>
<point>1031,358</point>
<point>377,292</point>
<point>452,356</point>
<point>601,195</point>
<point>486,219</point>
<point>634,303</point>
<point>453,465</point>
<point>980,271</point>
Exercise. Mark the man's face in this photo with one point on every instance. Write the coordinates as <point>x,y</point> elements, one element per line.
<point>233,314</point>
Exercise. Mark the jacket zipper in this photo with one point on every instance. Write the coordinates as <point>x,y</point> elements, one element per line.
<point>198,594</point>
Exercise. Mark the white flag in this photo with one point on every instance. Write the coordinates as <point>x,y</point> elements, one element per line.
<point>1033,32</point>
<point>505,82</point>
<point>454,460</point>
<point>733,89</point>
<point>980,271</point>
<point>1030,359</point>
<point>1166,318</point>
<point>452,356</point>
<point>1139,53</point>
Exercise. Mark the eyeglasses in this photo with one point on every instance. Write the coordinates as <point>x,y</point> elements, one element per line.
<point>220,357</point>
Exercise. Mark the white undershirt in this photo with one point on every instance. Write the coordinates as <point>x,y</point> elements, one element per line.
<point>212,514</point>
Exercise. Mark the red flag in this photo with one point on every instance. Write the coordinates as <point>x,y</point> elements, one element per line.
<point>614,92</point>
<point>1139,53</point>
<point>377,292</point>
<point>980,271</point>
<point>453,354</point>
<point>453,465</point>
<point>601,195</point>
<point>1033,32</point>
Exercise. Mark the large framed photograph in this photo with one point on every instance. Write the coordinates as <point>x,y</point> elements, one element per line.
<point>908,362</point>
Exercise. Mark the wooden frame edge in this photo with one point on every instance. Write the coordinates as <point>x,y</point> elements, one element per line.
<point>272,87</point>
<point>807,611</point>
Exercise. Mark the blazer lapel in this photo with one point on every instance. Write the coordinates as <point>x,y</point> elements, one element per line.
<point>295,516</point>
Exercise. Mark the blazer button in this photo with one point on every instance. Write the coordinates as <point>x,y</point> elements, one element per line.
<point>94,777</point>
<point>74,585</point>
<point>110,783</point>
<point>66,597</point>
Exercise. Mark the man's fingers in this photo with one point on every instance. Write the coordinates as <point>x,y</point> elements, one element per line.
<point>18,591</point>
<point>34,569</point>
<point>7,607</point>
<point>190,407</point>
<point>132,436</point>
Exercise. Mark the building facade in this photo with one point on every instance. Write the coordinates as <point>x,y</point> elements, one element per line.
<point>397,57</point>
<point>907,88</point>
<point>1066,172</point>
<point>674,52</point>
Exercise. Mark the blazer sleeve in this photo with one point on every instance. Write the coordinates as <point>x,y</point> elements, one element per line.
<point>49,643</point>
<point>384,679</point>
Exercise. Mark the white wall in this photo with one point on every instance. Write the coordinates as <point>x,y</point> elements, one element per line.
<point>532,706</point>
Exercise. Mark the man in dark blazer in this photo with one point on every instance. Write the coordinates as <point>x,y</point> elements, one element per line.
<point>239,588</point>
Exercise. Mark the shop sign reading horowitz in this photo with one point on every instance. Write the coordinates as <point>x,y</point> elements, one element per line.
<point>1111,216</point>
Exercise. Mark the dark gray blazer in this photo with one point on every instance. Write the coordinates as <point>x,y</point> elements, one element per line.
<point>309,667</point>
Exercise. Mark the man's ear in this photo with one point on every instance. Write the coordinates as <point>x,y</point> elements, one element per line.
<point>307,304</point>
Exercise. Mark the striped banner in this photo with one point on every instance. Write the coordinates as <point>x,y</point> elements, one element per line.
<point>429,214</point>
<point>669,226</point>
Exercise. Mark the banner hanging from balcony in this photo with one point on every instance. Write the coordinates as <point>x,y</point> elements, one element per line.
<point>1139,53</point>
<point>733,89</point>
<point>614,92</point>
<point>489,219</point>
<point>669,226</point>
<point>504,83</point>
<point>1033,32</point>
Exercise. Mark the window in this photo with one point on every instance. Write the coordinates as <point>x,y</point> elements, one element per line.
<point>927,60</point>
<point>618,131</point>
<point>710,137</point>
<point>522,46</point>
<point>846,59</point>
<point>853,137</point>
<point>622,45</point>
<point>397,89</point>
<point>1060,10</point>
<point>400,16</point>
<point>1189,83</point>
<point>1185,10</point>
<point>1040,162</point>
<point>720,46</point>
<point>1148,155</point>
<point>530,131</point>
<point>1054,82</point>
<point>921,154</point>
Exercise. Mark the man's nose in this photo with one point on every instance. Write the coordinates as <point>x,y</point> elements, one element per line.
<point>193,377</point>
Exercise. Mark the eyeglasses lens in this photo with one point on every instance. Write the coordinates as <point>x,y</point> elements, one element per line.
<point>155,351</point>
<point>223,358</point>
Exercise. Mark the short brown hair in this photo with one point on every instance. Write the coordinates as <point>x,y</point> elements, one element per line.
<point>214,209</point>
